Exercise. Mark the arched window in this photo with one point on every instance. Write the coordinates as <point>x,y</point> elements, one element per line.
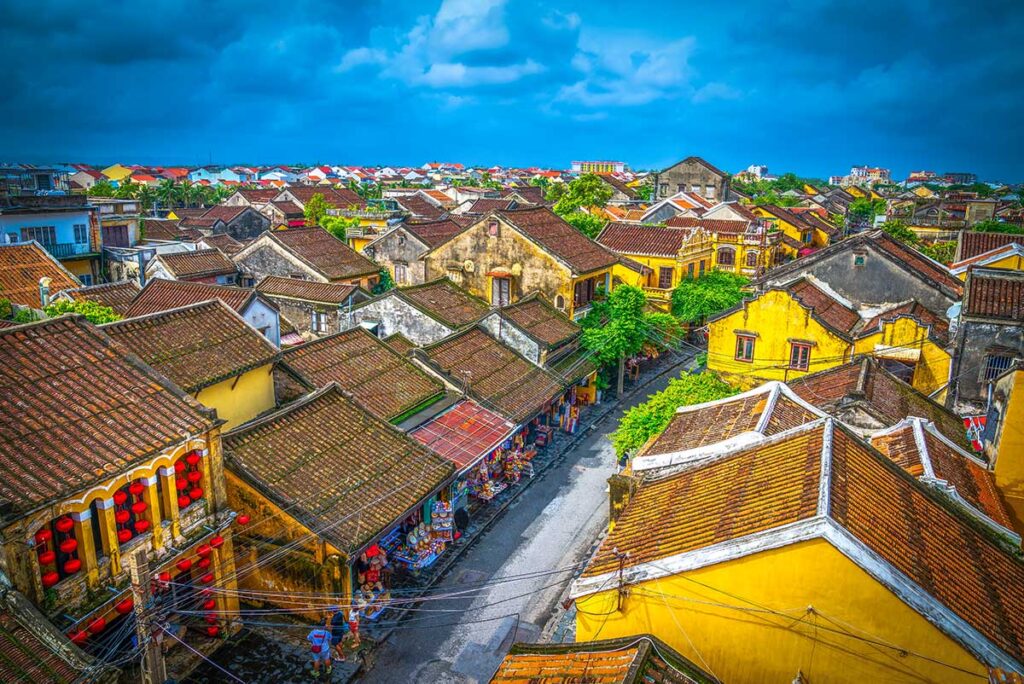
<point>188,479</point>
<point>752,259</point>
<point>130,511</point>
<point>560,302</point>
<point>726,256</point>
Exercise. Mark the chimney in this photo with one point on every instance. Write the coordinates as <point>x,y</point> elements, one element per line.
<point>44,292</point>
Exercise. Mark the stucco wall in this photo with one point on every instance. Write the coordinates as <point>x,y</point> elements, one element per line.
<point>974,340</point>
<point>260,315</point>
<point>398,247</point>
<point>265,260</point>
<point>511,335</point>
<point>240,402</point>
<point>247,226</point>
<point>685,175</point>
<point>396,316</point>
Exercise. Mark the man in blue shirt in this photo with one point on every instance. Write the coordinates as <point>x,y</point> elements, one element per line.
<point>320,647</point>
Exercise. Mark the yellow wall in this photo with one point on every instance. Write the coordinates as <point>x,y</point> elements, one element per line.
<point>1008,263</point>
<point>1008,450</point>
<point>78,266</point>
<point>777,318</point>
<point>239,403</point>
<point>932,368</point>
<point>721,618</point>
<point>819,238</point>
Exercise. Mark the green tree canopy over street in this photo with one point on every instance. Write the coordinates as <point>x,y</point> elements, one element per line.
<point>642,422</point>
<point>865,210</point>
<point>694,299</point>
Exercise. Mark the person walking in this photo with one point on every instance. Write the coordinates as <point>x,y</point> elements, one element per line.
<point>320,648</point>
<point>339,628</point>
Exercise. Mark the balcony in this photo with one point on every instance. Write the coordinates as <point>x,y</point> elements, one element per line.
<point>69,250</point>
<point>659,293</point>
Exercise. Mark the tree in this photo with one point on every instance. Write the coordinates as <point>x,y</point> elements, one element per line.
<point>93,311</point>
<point>587,224</point>
<point>586,191</point>
<point>126,189</point>
<point>168,192</point>
<point>899,230</point>
<point>618,328</point>
<point>650,418</point>
<point>994,226</point>
<point>102,188</point>
<point>338,225</point>
<point>864,210</point>
<point>384,283</point>
<point>695,299</point>
<point>316,209</point>
<point>554,192</point>
<point>147,197</point>
<point>943,252</point>
<point>644,191</point>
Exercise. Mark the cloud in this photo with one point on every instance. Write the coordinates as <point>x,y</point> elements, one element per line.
<point>360,57</point>
<point>715,91</point>
<point>462,76</point>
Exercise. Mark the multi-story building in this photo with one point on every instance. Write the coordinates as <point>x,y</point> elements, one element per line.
<point>579,167</point>
<point>66,226</point>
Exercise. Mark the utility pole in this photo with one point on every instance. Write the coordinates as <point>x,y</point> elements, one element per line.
<point>154,669</point>
<point>622,584</point>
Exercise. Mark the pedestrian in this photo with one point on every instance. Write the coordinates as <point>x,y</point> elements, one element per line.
<point>353,626</point>
<point>339,628</point>
<point>320,648</point>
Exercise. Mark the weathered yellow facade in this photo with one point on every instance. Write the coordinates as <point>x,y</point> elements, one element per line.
<point>807,236</point>
<point>1006,449</point>
<point>1011,262</point>
<point>906,339</point>
<point>804,608</point>
<point>241,398</point>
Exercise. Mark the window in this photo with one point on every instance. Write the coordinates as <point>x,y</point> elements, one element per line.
<point>695,189</point>
<point>12,238</point>
<point>744,348</point>
<point>583,292</point>
<point>996,365</point>
<point>807,236</point>
<point>401,274</point>
<point>709,191</point>
<point>81,234</point>
<point>455,276</point>
<point>726,256</point>
<point>689,269</point>
<point>86,279</point>
<point>799,356</point>
<point>560,302</point>
<point>701,268</point>
<point>665,278</point>
<point>752,259</point>
<point>493,229</point>
<point>859,258</point>
<point>44,235</point>
<point>500,291</point>
<point>319,322</point>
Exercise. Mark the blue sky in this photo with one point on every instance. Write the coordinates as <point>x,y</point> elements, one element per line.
<point>810,86</point>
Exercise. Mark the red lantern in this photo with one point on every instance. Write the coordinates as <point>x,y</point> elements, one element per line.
<point>136,488</point>
<point>209,604</point>
<point>203,563</point>
<point>179,467</point>
<point>181,484</point>
<point>185,564</point>
<point>139,507</point>
<point>72,566</point>
<point>78,637</point>
<point>211,619</point>
<point>207,578</point>
<point>196,493</point>
<point>125,606</point>
<point>122,517</point>
<point>68,546</point>
<point>141,526</point>
<point>165,577</point>
<point>47,557</point>
<point>195,476</point>
<point>44,535</point>
<point>124,536</point>
<point>97,625</point>
<point>216,541</point>
<point>212,630</point>
<point>243,519</point>
<point>184,501</point>
<point>120,497</point>
<point>50,578</point>
<point>64,524</point>
<point>192,458</point>
<point>203,550</point>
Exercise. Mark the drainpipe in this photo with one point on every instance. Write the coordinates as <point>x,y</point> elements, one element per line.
<point>44,291</point>
<point>140,257</point>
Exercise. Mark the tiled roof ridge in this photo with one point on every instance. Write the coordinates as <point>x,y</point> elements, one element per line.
<point>289,408</point>
<point>443,280</point>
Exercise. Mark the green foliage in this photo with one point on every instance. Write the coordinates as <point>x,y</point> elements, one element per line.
<point>864,210</point>
<point>695,299</point>
<point>778,200</point>
<point>540,182</point>
<point>900,231</point>
<point>644,191</point>
<point>994,226</point>
<point>6,310</point>
<point>25,316</point>
<point>585,223</point>
<point>943,252</point>
<point>93,311</point>
<point>648,419</point>
<point>777,186</point>
<point>338,225</point>
<point>102,188</point>
<point>554,192</point>
<point>385,283</point>
<point>316,209</point>
<point>982,190</point>
<point>586,191</point>
<point>619,327</point>
<point>126,189</point>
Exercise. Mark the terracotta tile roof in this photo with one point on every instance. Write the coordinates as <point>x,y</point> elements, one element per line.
<point>417,206</point>
<point>542,321</point>
<point>724,226</point>
<point>917,261</point>
<point>619,186</point>
<point>531,193</point>
<point>913,443</point>
<point>792,241</point>
<point>306,290</point>
<point>197,264</point>
<point>199,223</point>
<point>21,267</point>
<point>195,346</point>
<point>340,198</point>
<point>445,301</point>
<point>161,229</point>
<point>488,204</point>
<point>464,434</point>
<point>434,233</point>
<point>335,467</point>
<point>989,257</point>
<point>995,293</point>
<point>118,296</point>
<point>649,240</point>
<point>496,375</point>
<point>289,209</point>
<point>639,659</point>
<point>559,238</point>
<point>325,253</point>
<point>225,212</point>
<point>399,343</point>
<point>27,656</point>
<point>380,379</point>
<point>574,366</point>
<point>224,243</point>
<point>259,196</point>
<point>938,325</point>
<point>972,243</point>
<point>825,307</point>
<point>75,406</point>
<point>161,294</point>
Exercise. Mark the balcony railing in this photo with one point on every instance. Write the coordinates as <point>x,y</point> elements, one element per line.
<point>658,292</point>
<point>65,250</point>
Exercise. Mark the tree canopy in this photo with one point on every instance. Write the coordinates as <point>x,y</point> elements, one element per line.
<point>587,224</point>
<point>645,420</point>
<point>994,226</point>
<point>338,225</point>
<point>316,209</point>
<point>93,311</point>
<point>584,192</point>
<point>694,299</point>
<point>899,230</point>
<point>864,210</point>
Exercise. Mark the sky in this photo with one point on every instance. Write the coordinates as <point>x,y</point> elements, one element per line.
<point>811,87</point>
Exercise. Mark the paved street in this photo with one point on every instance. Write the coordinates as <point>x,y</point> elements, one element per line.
<point>552,525</point>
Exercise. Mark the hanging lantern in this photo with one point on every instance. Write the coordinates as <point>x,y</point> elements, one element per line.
<point>122,517</point>
<point>72,566</point>
<point>165,577</point>
<point>203,563</point>
<point>64,524</point>
<point>68,546</point>
<point>139,507</point>
<point>196,493</point>
<point>209,604</point>
<point>97,625</point>
<point>192,458</point>
<point>212,630</point>
<point>47,557</point>
<point>124,536</point>
<point>243,519</point>
<point>203,550</point>
<point>136,488</point>
<point>125,606</point>
<point>195,476</point>
<point>179,467</point>
<point>50,578</point>
<point>216,541</point>
<point>207,578</point>
<point>184,565</point>
<point>141,526</point>
<point>78,637</point>
<point>180,483</point>
<point>43,536</point>
<point>184,501</point>
<point>120,497</point>
<point>211,619</point>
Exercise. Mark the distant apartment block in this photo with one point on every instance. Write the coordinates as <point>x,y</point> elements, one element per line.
<point>598,167</point>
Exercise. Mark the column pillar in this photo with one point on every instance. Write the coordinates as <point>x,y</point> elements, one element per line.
<point>151,496</point>
<point>87,547</point>
<point>226,578</point>
<point>108,534</point>
<point>169,501</point>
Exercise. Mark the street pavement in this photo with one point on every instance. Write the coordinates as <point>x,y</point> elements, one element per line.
<point>514,575</point>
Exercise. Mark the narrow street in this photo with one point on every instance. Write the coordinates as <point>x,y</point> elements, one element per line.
<point>512,577</point>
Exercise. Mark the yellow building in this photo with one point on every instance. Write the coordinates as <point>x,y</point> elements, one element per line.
<point>210,352</point>
<point>1008,258</point>
<point>1004,444</point>
<point>771,544</point>
<point>509,254</point>
<point>804,327</point>
<point>107,462</point>
<point>117,173</point>
<point>799,231</point>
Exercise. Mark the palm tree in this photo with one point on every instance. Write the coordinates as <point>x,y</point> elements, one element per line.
<point>147,197</point>
<point>167,191</point>
<point>126,189</point>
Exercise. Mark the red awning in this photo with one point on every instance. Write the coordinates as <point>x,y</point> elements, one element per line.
<point>464,434</point>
